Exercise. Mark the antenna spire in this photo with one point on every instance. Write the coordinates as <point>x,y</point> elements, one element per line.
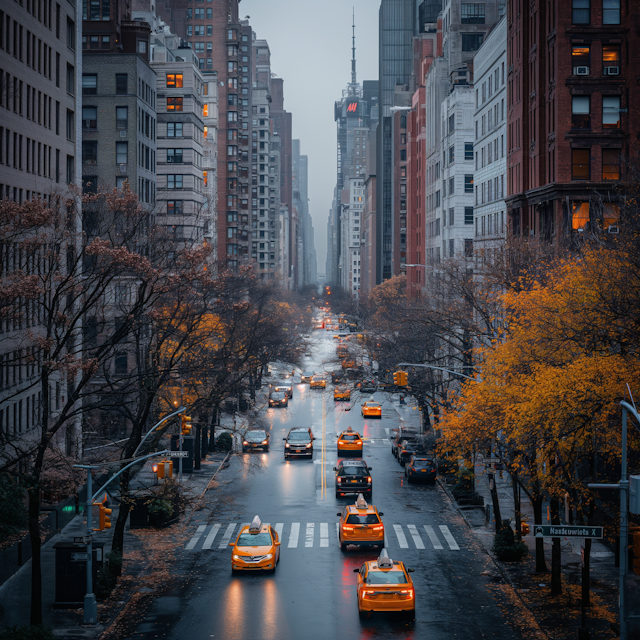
<point>353,49</point>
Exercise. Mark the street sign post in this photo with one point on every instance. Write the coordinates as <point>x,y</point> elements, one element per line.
<point>82,540</point>
<point>178,454</point>
<point>566,531</point>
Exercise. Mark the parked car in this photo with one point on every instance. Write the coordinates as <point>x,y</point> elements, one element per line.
<point>299,442</point>
<point>399,435</point>
<point>278,399</point>
<point>421,469</point>
<point>409,447</point>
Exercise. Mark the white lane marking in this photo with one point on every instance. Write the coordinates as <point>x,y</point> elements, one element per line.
<point>227,536</point>
<point>416,536</point>
<point>208,541</point>
<point>309,535</point>
<point>196,536</point>
<point>324,534</point>
<point>432,536</point>
<point>451,541</point>
<point>402,540</point>
<point>293,537</point>
<point>338,530</point>
<point>279,528</point>
<point>386,430</point>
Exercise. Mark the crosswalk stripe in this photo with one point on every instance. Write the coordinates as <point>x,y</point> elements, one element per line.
<point>310,533</point>
<point>432,536</point>
<point>402,540</point>
<point>279,528</point>
<point>227,536</point>
<point>451,541</point>
<point>416,536</point>
<point>208,541</point>
<point>324,534</point>
<point>293,536</point>
<point>196,536</point>
<point>386,430</point>
<point>386,540</point>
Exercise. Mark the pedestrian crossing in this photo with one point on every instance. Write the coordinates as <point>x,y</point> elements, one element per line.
<point>309,535</point>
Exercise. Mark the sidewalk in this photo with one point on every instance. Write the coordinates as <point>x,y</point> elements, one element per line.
<point>558,616</point>
<point>15,593</point>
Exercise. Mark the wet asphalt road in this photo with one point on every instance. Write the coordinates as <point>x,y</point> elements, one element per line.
<point>312,593</point>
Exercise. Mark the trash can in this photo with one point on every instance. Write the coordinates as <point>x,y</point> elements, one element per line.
<point>71,572</point>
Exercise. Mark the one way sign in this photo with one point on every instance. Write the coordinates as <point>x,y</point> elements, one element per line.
<point>566,531</point>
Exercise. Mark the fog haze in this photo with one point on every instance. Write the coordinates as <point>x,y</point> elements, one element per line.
<point>310,45</point>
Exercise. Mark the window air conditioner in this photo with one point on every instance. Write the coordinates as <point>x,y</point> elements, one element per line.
<point>123,133</point>
<point>612,71</point>
<point>613,230</point>
<point>123,168</point>
<point>581,71</point>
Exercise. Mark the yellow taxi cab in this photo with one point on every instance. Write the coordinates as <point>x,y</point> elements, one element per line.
<point>336,336</point>
<point>348,364</point>
<point>342,393</point>
<point>318,382</point>
<point>371,409</point>
<point>360,525</point>
<point>349,441</point>
<point>257,548</point>
<point>385,585</point>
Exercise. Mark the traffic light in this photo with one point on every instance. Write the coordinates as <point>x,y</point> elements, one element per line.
<point>186,425</point>
<point>104,520</point>
<point>396,378</point>
<point>400,378</point>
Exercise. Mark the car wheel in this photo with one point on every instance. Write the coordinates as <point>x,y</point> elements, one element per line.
<point>266,448</point>
<point>409,479</point>
<point>338,495</point>
<point>286,457</point>
<point>343,546</point>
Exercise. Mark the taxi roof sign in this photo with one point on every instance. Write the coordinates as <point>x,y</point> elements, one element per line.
<point>384,561</point>
<point>256,525</point>
<point>361,503</point>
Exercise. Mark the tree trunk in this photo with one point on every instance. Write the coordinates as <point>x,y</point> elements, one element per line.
<point>516,506</point>
<point>117,544</point>
<point>196,448</point>
<point>541,565</point>
<point>556,552</point>
<point>36,567</point>
<point>212,437</point>
<point>586,592</point>
<point>494,499</point>
<point>204,445</point>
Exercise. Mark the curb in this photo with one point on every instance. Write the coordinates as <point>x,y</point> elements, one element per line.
<point>505,576</point>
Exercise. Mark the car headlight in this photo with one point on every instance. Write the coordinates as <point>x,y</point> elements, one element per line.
<point>245,442</point>
<point>265,442</point>
<point>268,556</point>
<point>286,445</point>
<point>309,445</point>
<point>237,557</point>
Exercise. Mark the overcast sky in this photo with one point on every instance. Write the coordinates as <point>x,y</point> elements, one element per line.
<point>310,43</point>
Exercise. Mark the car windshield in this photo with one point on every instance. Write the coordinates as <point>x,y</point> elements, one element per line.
<point>285,384</point>
<point>278,395</point>
<point>386,577</point>
<point>372,405</point>
<point>350,436</point>
<point>256,435</point>
<point>307,374</point>
<point>254,540</point>
<point>423,464</point>
<point>299,436</point>
<point>359,471</point>
<point>363,518</point>
<point>410,443</point>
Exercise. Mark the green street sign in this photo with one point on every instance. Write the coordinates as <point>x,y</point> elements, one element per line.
<point>566,531</point>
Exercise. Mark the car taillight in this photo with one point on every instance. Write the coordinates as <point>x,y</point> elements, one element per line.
<point>407,593</point>
<point>347,528</point>
<point>368,478</point>
<point>368,592</point>
<point>379,527</point>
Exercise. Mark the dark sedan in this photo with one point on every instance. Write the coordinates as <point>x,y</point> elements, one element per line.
<point>420,469</point>
<point>409,447</point>
<point>353,476</point>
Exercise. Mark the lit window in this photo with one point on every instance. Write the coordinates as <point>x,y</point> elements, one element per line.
<point>611,164</point>
<point>580,164</point>
<point>579,215</point>
<point>580,60</point>
<point>174,80</point>
<point>174,103</point>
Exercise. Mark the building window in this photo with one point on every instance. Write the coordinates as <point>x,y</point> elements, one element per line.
<point>468,183</point>
<point>579,215</point>
<point>71,34</point>
<point>89,152</point>
<point>122,117</point>
<point>70,126</point>
<point>142,46</point>
<point>611,12</point>
<point>581,11</point>
<point>403,155</point>
<point>121,367</point>
<point>471,41</point>
<point>121,84</point>
<point>174,129</point>
<point>174,156</point>
<point>611,59</point>
<point>472,13</point>
<point>580,112</point>
<point>580,60</point>
<point>580,164</point>
<point>89,184</point>
<point>174,181</point>
<point>174,103</point>
<point>468,215</point>
<point>468,248</point>
<point>122,152</point>
<point>468,150</point>
<point>89,117</point>
<point>174,207</point>
<point>121,183</point>
<point>611,164</point>
<point>189,31</point>
<point>71,169</point>
<point>611,112</point>
<point>71,80</point>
